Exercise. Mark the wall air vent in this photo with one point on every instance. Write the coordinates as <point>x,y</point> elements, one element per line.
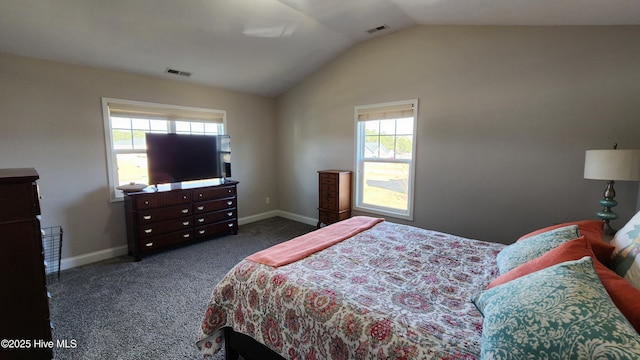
<point>177,72</point>
<point>378,28</point>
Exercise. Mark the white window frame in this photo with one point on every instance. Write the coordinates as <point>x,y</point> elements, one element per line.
<point>360,161</point>
<point>171,113</point>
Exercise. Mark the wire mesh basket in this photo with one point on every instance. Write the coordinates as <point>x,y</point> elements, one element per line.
<point>52,246</point>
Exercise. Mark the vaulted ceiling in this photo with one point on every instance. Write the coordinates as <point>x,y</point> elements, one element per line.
<point>259,47</point>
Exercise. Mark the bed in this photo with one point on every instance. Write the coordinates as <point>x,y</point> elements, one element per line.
<point>388,291</point>
<point>365,288</point>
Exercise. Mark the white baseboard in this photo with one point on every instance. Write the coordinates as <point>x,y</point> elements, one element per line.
<point>253,218</point>
<point>75,261</point>
<point>298,218</point>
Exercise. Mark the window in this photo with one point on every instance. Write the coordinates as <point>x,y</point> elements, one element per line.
<point>125,125</point>
<point>385,158</point>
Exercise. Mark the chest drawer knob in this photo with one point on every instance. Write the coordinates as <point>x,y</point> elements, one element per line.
<point>201,232</point>
<point>230,214</point>
<point>185,223</point>
<point>148,231</point>
<point>200,208</point>
<point>147,217</point>
<point>201,220</point>
<point>185,236</point>
<point>229,202</point>
<point>230,225</point>
<point>150,244</point>
<point>184,211</point>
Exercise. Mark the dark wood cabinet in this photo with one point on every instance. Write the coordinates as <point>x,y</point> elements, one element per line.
<point>157,219</point>
<point>24,304</point>
<point>334,189</point>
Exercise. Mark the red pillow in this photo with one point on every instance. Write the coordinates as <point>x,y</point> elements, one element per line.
<point>591,230</point>
<point>571,250</point>
<point>623,294</point>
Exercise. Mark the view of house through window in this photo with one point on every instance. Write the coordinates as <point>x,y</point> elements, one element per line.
<point>385,158</point>
<point>126,123</point>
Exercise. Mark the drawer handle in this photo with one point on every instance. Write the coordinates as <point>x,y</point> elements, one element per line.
<point>230,191</point>
<point>229,202</point>
<point>185,223</point>
<point>148,231</point>
<point>146,202</point>
<point>201,232</point>
<point>200,207</point>
<point>200,195</point>
<point>230,225</point>
<point>185,236</point>
<point>147,217</point>
<point>230,214</point>
<point>201,220</point>
<point>184,197</point>
<point>149,244</point>
<point>184,211</point>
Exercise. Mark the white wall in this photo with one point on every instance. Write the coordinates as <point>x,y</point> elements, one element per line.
<point>505,116</point>
<point>52,121</point>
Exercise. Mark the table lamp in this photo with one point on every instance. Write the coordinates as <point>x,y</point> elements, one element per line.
<point>611,165</point>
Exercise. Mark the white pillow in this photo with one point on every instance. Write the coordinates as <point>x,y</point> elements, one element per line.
<point>626,261</point>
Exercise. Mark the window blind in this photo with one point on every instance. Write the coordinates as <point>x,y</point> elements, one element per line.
<point>385,112</point>
<point>140,111</point>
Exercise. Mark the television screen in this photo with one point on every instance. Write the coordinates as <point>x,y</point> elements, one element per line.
<point>180,157</point>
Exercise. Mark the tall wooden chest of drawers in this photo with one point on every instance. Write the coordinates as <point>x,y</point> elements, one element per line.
<point>24,304</point>
<point>167,217</point>
<point>334,196</point>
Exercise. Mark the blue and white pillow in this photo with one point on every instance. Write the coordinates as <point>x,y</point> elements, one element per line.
<point>533,247</point>
<point>626,259</point>
<point>561,312</point>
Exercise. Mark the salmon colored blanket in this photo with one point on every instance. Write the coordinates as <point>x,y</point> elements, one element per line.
<point>307,244</point>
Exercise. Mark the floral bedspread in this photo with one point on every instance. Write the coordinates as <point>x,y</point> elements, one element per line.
<point>391,292</point>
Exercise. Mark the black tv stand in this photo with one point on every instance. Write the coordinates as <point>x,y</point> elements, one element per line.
<point>164,216</point>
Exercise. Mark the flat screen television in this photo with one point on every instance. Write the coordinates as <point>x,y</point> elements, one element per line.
<point>173,158</point>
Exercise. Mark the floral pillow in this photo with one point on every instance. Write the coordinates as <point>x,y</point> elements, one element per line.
<point>532,247</point>
<point>560,312</point>
<point>626,261</point>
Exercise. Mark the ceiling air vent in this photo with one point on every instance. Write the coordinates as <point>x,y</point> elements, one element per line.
<point>378,28</point>
<point>177,72</point>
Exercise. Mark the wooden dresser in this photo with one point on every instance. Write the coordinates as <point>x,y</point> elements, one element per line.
<point>169,216</point>
<point>334,196</point>
<point>24,304</point>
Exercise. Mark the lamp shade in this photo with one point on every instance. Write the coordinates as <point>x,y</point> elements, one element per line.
<point>614,164</point>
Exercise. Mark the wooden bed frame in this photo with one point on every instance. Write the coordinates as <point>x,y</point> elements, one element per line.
<point>237,344</point>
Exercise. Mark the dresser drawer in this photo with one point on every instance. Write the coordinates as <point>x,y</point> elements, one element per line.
<point>19,202</point>
<point>329,201</point>
<point>332,217</point>
<point>159,228</point>
<point>328,188</point>
<point>328,179</point>
<point>213,205</point>
<point>217,193</point>
<point>172,212</point>
<point>153,200</point>
<point>217,228</point>
<point>216,216</point>
<point>328,217</point>
<point>161,241</point>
